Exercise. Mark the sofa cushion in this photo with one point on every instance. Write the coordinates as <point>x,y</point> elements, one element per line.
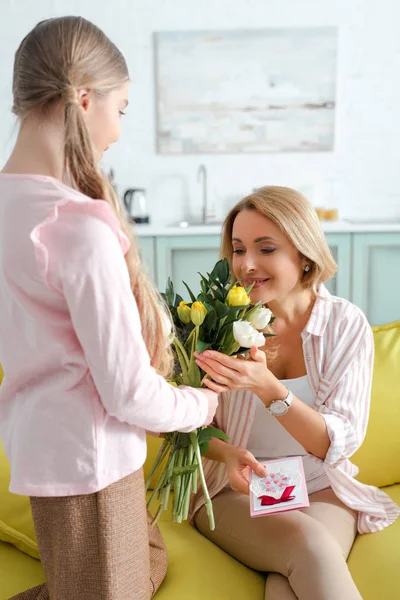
<point>16,523</point>
<point>375,558</point>
<point>198,569</point>
<point>378,457</point>
<point>18,571</point>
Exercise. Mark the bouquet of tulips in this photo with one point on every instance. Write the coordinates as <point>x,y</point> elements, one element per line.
<point>219,318</point>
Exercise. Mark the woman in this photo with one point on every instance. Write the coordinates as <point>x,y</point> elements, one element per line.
<point>311,399</point>
<point>82,332</point>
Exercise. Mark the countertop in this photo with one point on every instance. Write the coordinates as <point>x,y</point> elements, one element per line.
<point>215,229</point>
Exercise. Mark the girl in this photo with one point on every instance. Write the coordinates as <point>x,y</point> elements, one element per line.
<point>311,400</point>
<point>82,334</point>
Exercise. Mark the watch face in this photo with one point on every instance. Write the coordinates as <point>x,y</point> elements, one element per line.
<point>279,407</point>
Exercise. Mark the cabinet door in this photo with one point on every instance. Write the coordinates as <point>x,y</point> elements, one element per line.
<point>183,257</point>
<point>376,280</point>
<point>147,253</point>
<point>340,247</point>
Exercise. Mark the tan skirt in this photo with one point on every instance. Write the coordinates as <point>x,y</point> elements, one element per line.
<point>98,546</point>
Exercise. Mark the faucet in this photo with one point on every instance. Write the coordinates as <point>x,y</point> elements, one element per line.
<point>202,175</point>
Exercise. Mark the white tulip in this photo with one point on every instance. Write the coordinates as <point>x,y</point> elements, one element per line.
<point>260,318</point>
<point>246,335</point>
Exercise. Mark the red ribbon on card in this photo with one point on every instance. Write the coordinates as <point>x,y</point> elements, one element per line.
<point>269,500</point>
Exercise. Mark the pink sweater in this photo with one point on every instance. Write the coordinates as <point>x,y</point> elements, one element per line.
<point>338,349</point>
<point>78,391</point>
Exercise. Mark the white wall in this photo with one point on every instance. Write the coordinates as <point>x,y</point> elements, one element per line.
<point>362,174</point>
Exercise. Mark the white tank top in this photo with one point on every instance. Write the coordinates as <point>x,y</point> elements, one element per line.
<point>269,439</point>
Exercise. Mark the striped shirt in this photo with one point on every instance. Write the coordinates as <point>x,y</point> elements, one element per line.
<point>338,348</point>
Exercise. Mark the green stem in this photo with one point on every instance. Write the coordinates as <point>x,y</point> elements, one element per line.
<point>167,489</point>
<point>194,475</point>
<point>208,503</point>
<point>190,336</point>
<point>183,488</point>
<point>182,480</point>
<point>193,370</point>
<point>195,340</point>
<point>160,482</point>
<point>194,482</point>
<point>161,454</point>
<point>178,344</point>
<point>186,502</point>
<point>157,516</point>
<point>156,489</point>
<point>185,498</point>
<point>183,359</point>
<point>177,485</point>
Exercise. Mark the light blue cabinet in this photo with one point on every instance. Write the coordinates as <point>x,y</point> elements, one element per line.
<point>376,276</point>
<point>340,247</point>
<point>147,253</point>
<point>182,257</point>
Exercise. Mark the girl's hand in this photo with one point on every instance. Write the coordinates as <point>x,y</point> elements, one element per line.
<point>234,374</point>
<point>212,399</point>
<point>239,463</point>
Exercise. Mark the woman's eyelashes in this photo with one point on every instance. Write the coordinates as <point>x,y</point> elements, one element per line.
<point>240,251</point>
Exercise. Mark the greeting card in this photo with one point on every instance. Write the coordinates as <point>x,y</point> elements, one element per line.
<point>283,488</point>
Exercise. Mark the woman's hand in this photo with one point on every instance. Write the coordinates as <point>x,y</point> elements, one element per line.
<point>239,463</point>
<point>235,374</point>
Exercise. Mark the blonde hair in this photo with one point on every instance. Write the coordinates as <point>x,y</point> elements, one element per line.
<point>55,59</point>
<point>296,217</point>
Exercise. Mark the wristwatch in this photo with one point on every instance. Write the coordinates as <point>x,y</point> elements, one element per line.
<point>278,408</point>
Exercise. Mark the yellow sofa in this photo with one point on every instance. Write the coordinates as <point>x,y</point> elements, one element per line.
<point>197,568</point>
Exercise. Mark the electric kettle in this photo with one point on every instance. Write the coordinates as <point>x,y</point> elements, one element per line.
<point>136,205</point>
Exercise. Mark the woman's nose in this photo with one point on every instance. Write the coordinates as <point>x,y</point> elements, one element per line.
<point>249,262</point>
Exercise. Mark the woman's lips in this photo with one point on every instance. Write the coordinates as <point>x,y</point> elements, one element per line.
<point>257,282</point>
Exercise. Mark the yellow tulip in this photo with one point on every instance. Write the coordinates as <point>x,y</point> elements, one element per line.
<point>237,296</point>
<point>198,313</point>
<point>184,312</point>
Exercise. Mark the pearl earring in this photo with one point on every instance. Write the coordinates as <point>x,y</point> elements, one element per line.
<point>307,268</point>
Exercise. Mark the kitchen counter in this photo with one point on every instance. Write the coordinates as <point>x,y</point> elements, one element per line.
<point>352,226</point>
